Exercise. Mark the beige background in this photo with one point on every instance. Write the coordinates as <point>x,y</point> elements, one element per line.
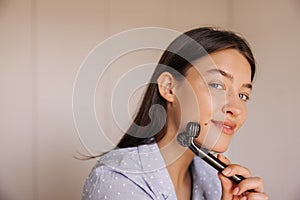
<point>43,43</point>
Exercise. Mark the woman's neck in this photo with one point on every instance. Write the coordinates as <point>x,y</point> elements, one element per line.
<point>178,160</point>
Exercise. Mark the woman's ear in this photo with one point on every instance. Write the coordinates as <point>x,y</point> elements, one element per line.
<point>165,86</point>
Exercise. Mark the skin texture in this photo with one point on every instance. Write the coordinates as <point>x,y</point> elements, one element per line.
<point>215,95</point>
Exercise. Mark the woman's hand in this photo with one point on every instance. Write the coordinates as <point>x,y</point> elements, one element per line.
<point>230,191</point>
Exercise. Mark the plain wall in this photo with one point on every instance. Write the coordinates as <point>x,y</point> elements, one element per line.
<point>43,44</point>
<point>268,143</point>
<point>17,100</point>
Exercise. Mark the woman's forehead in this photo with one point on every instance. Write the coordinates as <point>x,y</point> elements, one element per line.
<point>227,63</point>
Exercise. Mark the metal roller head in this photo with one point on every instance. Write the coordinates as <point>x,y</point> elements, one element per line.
<point>193,129</point>
<point>182,139</point>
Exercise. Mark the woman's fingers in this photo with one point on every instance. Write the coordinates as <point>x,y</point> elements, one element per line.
<point>224,159</point>
<point>253,183</point>
<point>226,184</point>
<point>234,169</point>
<point>256,196</point>
<point>249,188</point>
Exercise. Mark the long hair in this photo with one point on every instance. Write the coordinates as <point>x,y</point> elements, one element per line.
<point>176,59</point>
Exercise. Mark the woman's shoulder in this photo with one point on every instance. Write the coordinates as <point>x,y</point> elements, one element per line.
<point>132,159</point>
<point>122,173</point>
<point>109,178</point>
<point>104,182</point>
<point>119,160</point>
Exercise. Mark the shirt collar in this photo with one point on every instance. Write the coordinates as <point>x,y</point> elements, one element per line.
<point>206,183</point>
<point>155,168</point>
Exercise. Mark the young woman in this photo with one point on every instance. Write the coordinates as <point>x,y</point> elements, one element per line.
<point>204,76</point>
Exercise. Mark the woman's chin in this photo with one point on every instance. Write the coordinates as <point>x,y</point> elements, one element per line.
<point>220,148</point>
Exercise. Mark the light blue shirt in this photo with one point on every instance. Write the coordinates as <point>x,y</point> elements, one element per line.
<point>139,173</point>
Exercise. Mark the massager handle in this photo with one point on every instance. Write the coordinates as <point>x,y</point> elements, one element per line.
<point>213,161</point>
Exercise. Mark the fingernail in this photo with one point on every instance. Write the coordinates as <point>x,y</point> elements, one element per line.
<point>226,171</point>
<point>236,191</point>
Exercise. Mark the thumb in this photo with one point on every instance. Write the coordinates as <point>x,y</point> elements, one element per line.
<point>226,187</point>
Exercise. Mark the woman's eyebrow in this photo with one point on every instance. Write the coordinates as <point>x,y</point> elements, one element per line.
<point>229,76</point>
<point>219,71</point>
<point>247,85</point>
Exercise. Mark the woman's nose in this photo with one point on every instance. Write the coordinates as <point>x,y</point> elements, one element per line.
<point>233,105</point>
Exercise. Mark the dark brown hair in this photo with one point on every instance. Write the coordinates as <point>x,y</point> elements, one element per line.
<point>176,59</point>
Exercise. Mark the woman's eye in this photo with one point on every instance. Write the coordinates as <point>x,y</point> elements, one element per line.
<point>244,97</point>
<point>216,85</point>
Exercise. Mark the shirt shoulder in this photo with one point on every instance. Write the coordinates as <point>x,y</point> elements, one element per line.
<point>106,183</point>
<point>130,173</point>
<point>140,173</point>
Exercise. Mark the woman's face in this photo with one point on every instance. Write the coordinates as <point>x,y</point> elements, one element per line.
<point>215,94</point>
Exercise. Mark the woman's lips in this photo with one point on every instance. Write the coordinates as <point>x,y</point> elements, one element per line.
<point>226,126</point>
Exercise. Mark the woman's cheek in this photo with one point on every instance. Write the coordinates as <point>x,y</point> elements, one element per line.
<point>205,107</point>
<point>188,106</point>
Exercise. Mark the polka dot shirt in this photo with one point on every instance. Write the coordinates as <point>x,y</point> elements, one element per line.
<point>140,173</point>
